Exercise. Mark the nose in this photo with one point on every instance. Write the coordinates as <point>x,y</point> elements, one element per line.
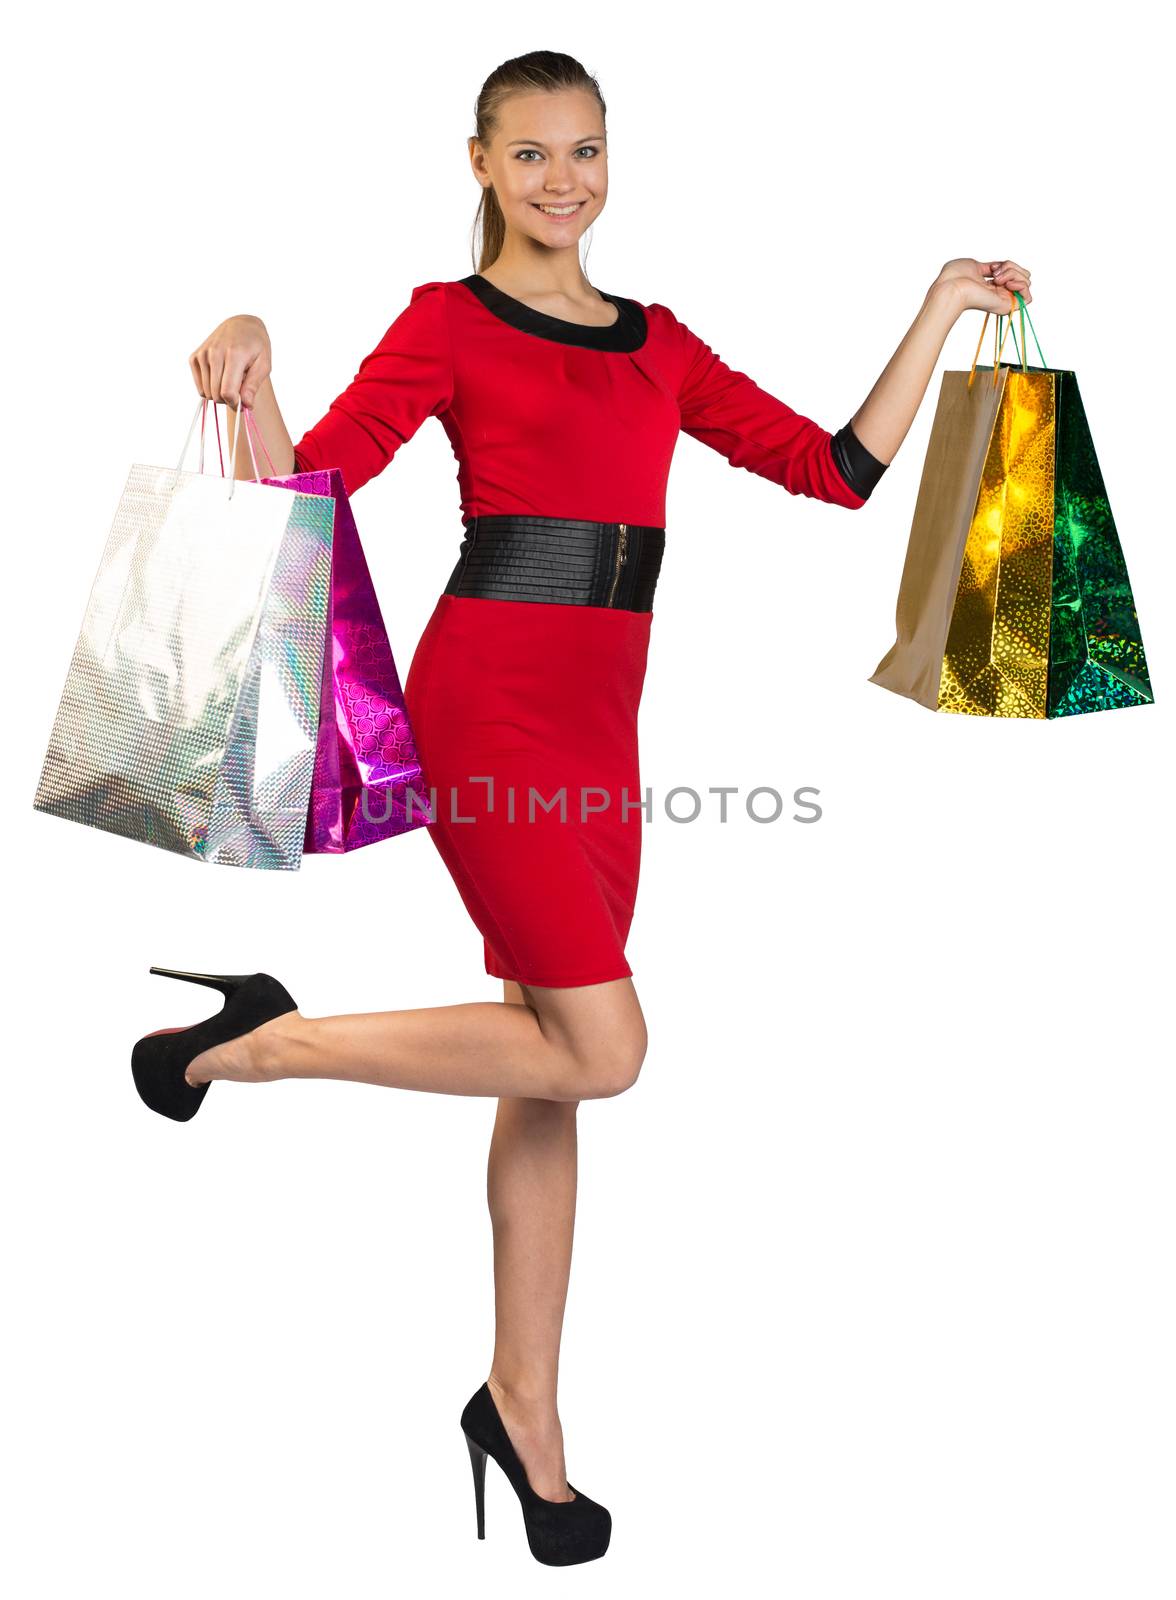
<point>558,181</point>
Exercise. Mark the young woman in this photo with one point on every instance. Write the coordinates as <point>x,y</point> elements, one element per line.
<point>563,404</point>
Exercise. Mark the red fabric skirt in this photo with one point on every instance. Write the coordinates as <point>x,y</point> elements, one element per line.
<point>525,717</point>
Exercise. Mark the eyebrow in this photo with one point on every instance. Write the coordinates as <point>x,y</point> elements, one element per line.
<point>542,146</point>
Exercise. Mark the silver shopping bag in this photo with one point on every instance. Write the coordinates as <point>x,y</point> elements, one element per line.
<point>189,717</point>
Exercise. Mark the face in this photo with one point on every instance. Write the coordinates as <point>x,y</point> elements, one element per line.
<point>548,165</point>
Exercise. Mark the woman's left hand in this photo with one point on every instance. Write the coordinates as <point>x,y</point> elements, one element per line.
<point>986,285</point>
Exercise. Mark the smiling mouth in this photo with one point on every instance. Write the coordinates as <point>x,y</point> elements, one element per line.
<point>558,212</point>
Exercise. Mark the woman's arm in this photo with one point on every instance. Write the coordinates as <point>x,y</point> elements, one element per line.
<point>406,378</point>
<point>754,429</point>
<point>729,412</point>
<point>272,429</point>
<point>885,415</point>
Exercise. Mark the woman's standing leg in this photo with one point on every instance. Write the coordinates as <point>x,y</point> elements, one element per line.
<point>531,1188</point>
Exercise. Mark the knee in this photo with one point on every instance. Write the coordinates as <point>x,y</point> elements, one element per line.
<point>615,1068</point>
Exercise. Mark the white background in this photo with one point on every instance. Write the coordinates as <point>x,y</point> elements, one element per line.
<point>872,1291</point>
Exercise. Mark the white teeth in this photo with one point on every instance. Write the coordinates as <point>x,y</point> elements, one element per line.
<point>561,211</point>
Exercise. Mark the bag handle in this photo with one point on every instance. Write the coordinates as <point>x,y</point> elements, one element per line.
<point>249,429</point>
<point>219,450</point>
<point>251,422</point>
<point>998,347</point>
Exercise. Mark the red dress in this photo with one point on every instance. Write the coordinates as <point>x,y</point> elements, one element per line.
<point>514,702</point>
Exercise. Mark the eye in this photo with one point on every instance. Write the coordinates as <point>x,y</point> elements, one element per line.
<point>593,150</point>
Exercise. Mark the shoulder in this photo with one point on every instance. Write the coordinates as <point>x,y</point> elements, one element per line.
<point>429,300</point>
<point>438,303</point>
<point>426,306</point>
<point>667,329</point>
<point>679,346</point>
<point>663,333</point>
<point>437,290</point>
<point>419,328</point>
<point>658,315</point>
<point>425,316</point>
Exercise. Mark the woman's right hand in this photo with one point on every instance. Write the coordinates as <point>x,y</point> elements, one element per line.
<point>233,362</point>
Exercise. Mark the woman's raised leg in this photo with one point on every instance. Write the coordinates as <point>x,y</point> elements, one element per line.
<point>567,1044</point>
<point>541,1051</point>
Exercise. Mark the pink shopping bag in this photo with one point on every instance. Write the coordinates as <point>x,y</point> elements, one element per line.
<point>368,780</point>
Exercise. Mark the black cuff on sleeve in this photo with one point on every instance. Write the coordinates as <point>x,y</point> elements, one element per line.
<point>857,466</point>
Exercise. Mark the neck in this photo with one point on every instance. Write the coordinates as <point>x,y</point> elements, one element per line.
<point>525,268</point>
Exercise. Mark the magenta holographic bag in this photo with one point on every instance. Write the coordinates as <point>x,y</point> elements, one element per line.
<point>368,782</point>
<point>366,762</point>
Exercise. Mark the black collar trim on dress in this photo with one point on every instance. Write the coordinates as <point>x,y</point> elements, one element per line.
<point>627,333</point>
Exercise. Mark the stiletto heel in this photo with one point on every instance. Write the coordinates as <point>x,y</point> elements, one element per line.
<point>211,980</point>
<point>160,1059</point>
<point>560,1533</point>
<point>478,1462</point>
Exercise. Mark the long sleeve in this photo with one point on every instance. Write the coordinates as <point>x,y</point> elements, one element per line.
<point>726,410</point>
<point>406,378</point>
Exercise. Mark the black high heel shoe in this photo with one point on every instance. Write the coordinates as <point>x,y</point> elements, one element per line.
<point>160,1059</point>
<point>559,1532</point>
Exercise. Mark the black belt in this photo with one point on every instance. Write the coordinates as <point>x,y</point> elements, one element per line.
<point>560,560</point>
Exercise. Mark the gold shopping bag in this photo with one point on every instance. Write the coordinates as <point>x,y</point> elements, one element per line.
<point>1015,599</point>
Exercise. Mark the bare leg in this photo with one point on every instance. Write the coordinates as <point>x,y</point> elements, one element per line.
<point>531,1188</point>
<point>540,1057</point>
<point>566,1045</point>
